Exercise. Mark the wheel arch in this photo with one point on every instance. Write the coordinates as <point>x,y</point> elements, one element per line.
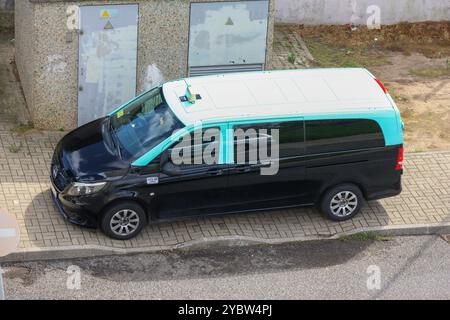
<point>330,186</point>
<point>114,202</point>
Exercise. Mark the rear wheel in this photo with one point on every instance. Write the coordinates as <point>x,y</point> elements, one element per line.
<point>123,220</point>
<point>342,202</point>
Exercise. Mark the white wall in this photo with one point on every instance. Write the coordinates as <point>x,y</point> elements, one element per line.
<point>347,11</point>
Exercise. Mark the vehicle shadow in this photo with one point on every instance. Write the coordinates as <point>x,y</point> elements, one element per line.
<point>46,228</point>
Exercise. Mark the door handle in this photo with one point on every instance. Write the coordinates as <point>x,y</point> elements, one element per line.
<point>215,172</point>
<point>243,169</point>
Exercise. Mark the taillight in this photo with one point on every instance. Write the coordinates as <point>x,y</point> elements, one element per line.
<point>400,158</point>
<point>381,85</point>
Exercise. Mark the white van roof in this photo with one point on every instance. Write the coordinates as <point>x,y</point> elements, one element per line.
<point>277,94</point>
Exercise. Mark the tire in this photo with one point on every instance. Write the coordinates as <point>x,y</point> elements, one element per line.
<point>342,202</point>
<point>123,221</point>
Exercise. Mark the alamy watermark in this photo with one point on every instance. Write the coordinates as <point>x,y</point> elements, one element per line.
<point>374,278</point>
<point>73,17</point>
<point>252,147</point>
<point>74,278</point>
<point>372,14</point>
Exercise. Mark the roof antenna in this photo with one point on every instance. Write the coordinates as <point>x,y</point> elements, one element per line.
<point>192,97</point>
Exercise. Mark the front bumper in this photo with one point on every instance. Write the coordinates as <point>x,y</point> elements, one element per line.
<point>73,213</point>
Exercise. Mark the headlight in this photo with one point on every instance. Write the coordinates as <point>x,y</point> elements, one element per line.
<point>84,189</point>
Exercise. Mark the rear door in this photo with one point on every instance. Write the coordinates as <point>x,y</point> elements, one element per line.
<point>255,185</point>
<point>346,150</point>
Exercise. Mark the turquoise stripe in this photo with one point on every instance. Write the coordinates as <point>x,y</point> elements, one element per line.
<point>389,121</point>
<point>166,144</point>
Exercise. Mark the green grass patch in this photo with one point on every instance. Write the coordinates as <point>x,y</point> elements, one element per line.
<point>364,236</point>
<point>292,58</point>
<point>341,57</point>
<point>23,128</point>
<point>430,72</point>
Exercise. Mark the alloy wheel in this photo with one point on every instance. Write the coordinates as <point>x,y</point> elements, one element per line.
<point>124,222</point>
<point>344,204</point>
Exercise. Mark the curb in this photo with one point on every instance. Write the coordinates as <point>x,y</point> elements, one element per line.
<point>90,251</point>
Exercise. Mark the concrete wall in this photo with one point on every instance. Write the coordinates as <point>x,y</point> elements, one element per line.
<point>346,11</point>
<point>48,62</point>
<point>6,14</point>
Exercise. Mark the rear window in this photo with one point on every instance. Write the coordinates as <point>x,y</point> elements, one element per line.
<point>342,135</point>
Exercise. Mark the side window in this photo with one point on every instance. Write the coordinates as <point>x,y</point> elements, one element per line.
<point>342,135</point>
<point>198,148</point>
<point>249,138</point>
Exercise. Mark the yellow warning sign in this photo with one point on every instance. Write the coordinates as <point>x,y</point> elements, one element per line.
<point>109,13</point>
<point>105,14</point>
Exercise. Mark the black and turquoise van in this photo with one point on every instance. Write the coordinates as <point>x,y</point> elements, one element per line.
<point>338,135</point>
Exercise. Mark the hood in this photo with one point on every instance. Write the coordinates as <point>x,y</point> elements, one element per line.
<point>89,154</point>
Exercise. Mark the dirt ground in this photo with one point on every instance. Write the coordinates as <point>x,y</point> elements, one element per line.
<point>412,60</point>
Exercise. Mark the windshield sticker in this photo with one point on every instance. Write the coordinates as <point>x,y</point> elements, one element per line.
<point>120,114</point>
<point>153,180</point>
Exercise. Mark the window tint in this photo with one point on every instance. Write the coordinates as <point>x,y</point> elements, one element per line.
<point>197,148</point>
<point>342,135</point>
<point>248,140</point>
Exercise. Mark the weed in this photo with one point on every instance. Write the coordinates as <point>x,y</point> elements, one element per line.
<point>292,58</point>
<point>15,148</point>
<point>364,236</point>
<point>23,128</point>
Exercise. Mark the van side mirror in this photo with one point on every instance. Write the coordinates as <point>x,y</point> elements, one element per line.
<point>167,167</point>
<point>171,170</point>
<point>164,158</point>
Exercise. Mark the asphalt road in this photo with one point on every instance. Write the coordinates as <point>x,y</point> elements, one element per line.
<point>402,268</point>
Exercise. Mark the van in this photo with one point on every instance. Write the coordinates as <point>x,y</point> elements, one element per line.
<point>333,138</point>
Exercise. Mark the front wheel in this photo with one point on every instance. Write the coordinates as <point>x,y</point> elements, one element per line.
<point>342,202</point>
<point>123,220</point>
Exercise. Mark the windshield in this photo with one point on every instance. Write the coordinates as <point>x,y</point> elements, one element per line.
<point>144,124</point>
